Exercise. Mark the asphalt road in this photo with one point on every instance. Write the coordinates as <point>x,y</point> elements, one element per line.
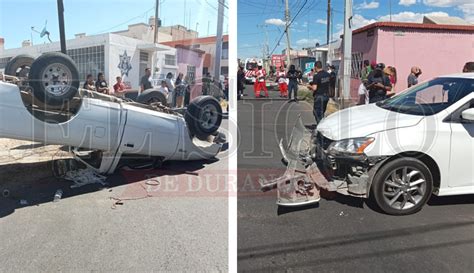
<point>340,234</point>
<point>180,224</point>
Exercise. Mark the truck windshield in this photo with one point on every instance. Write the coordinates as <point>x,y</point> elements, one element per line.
<point>430,97</point>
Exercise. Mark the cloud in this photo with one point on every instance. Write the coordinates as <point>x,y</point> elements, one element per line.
<point>322,21</point>
<point>407,3</point>
<point>411,17</point>
<point>275,21</point>
<point>365,5</point>
<point>359,21</point>
<point>466,6</point>
<point>307,42</point>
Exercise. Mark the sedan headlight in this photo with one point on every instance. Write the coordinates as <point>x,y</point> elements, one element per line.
<point>351,145</point>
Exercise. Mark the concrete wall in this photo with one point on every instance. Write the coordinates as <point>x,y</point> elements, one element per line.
<point>188,57</point>
<point>435,52</point>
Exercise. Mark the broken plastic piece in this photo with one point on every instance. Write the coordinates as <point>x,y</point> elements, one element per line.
<point>58,195</point>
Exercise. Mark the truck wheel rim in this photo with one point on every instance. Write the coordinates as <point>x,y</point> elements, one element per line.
<point>208,116</point>
<point>57,79</point>
<point>404,188</point>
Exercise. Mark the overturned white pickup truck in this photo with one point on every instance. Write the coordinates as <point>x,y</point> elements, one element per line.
<point>49,107</point>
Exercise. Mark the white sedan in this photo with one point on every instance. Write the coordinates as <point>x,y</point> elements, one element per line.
<point>399,151</point>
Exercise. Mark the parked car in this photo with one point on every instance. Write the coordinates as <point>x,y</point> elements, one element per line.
<point>52,109</point>
<point>399,151</point>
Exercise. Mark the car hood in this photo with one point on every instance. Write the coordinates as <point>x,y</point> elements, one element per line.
<point>364,120</point>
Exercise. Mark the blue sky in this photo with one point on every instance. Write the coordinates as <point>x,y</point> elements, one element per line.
<point>98,16</point>
<point>254,17</point>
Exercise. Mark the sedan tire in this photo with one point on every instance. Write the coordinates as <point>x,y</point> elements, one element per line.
<point>402,186</point>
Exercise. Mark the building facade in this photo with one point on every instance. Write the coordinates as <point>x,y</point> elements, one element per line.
<point>208,45</point>
<point>436,49</point>
<point>114,55</point>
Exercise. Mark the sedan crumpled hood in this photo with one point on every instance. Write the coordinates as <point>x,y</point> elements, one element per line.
<point>364,120</point>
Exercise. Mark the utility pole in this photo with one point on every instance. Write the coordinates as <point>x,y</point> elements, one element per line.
<point>157,6</point>
<point>346,82</point>
<point>390,7</point>
<point>287,30</point>
<point>62,35</point>
<point>328,25</point>
<point>220,27</point>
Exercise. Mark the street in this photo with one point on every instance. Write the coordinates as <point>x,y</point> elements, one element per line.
<point>340,234</point>
<point>176,223</point>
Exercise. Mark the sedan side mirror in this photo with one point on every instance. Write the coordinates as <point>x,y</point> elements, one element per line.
<point>468,115</point>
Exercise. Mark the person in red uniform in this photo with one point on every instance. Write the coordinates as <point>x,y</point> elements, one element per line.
<point>254,75</point>
<point>281,77</point>
<point>260,82</point>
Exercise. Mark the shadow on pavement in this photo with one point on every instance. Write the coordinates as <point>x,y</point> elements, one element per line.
<point>32,184</point>
<point>288,248</point>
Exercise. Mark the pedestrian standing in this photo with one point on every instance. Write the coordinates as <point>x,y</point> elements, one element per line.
<point>164,89</point>
<point>320,86</point>
<point>378,84</point>
<point>283,85</point>
<point>101,85</point>
<point>468,67</point>
<point>364,73</point>
<point>413,77</point>
<point>332,82</point>
<point>240,82</point>
<point>89,83</point>
<point>171,87</point>
<point>187,91</point>
<point>180,88</point>
<point>119,87</point>
<point>292,76</point>
<point>261,84</point>
<point>145,81</point>
<point>391,73</point>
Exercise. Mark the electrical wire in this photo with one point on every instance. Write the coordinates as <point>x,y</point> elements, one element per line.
<point>291,22</point>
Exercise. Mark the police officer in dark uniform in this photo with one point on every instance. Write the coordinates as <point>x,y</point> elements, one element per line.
<point>320,86</point>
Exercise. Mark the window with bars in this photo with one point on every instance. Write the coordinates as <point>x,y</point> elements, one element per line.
<point>356,64</point>
<point>89,60</point>
<point>144,56</point>
<point>191,73</point>
<point>170,59</point>
<point>225,51</point>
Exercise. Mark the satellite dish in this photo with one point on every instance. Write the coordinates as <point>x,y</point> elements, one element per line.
<point>44,32</point>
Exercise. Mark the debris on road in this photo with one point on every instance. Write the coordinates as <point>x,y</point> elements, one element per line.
<point>58,195</point>
<point>82,177</point>
<point>23,202</point>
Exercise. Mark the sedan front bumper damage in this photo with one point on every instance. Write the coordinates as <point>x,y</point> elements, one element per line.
<point>310,168</point>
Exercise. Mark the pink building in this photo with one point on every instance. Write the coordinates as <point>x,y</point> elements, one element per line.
<point>190,63</point>
<point>436,49</point>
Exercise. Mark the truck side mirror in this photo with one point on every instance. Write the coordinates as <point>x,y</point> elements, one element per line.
<point>468,115</point>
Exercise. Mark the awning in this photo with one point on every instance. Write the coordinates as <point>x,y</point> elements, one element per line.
<point>153,47</point>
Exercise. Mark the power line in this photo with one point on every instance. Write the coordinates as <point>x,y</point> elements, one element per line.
<point>291,22</point>
<point>126,22</point>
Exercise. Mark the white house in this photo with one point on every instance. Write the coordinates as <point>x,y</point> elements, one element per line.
<point>113,54</point>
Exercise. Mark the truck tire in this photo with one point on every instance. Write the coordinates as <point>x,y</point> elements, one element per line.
<point>152,95</point>
<point>54,78</point>
<point>402,186</point>
<point>203,116</point>
<point>19,66</point>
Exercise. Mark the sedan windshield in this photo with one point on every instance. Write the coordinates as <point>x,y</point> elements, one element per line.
<point>430,97</point>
